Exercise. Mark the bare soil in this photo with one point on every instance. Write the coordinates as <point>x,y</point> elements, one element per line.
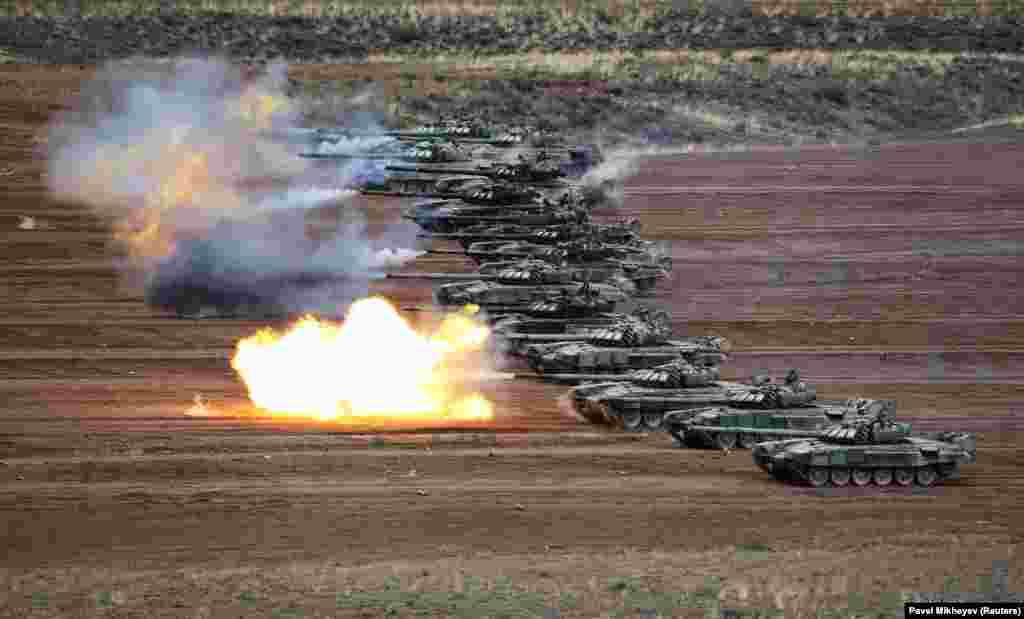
<point>892,272</point>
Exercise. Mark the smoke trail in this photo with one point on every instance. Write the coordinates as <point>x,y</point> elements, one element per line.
<point>603,184</point>
<point>210,208</point>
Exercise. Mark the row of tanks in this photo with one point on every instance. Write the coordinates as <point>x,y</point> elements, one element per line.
<point>559,289</point>
<point>563,294</point>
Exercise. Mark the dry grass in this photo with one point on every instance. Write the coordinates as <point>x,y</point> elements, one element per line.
<point>429,74</point>
<point>563,8</point>
<point>816,583</point>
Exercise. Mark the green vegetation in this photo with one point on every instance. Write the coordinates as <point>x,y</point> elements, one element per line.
<point>632,13</point>
<point>623,597</point>
<point>673,65</point>
<point>498,601</point>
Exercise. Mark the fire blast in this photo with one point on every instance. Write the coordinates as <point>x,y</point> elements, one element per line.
<point>373,368</point>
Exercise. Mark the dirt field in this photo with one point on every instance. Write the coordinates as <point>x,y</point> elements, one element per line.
<point>893,272</point>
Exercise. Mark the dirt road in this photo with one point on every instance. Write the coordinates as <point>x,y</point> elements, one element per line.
<point>893,272</point>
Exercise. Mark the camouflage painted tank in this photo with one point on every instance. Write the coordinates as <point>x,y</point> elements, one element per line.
<point>640,278</point>
<point>867,449</point>
<point>534,272</point>
<point>631,344</point>
<point>573,253</point>
<point>741,425</point>
<point>491,296</point>
<point>517,273</point>
<point>639,399</point>
<point>453,215</point>
<point>589,249</point>
<point>643,398</point>
<point>450,187</point>
<point>546,172</point>
<point>606,355</point>
<point>513,334</point>
<point>423,152</point>
<point>626,231</point>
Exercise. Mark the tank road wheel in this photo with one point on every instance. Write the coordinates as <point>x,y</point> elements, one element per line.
<point>725,440</point>
<point>926,476</point>
<point>903,477</point>
<point>632,421</point>
<point>653,420</point>
<point>817,476</point>
<point>840,476</point>
<point>746,440</point>
<point>861,477</point>
<point>882,477</point>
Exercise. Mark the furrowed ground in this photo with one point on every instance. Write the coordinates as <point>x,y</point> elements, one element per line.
<point>886,270</point>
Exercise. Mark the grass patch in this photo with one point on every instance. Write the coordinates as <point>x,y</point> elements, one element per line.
<point>631,13</point>
<point>681,64</point>
<point>628,598</point>
<point>500,600</point>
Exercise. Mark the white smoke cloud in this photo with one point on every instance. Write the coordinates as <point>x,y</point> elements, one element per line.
<point>212,208</point>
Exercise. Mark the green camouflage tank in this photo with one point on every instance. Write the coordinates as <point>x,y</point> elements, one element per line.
<point>643,397</point>
<point>868,449</point>
<point>740,425</point>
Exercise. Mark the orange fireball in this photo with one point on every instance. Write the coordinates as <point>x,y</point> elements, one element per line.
<point>373,366</point>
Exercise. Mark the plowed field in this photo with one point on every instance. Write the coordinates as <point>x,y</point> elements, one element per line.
<point>894,272</point>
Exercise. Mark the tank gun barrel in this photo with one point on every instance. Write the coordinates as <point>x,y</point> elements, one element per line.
<point>445,276</point>
<point>569,377</point>
<point>446,252</point>
<point>448,309</point>
<point>432,169</point>
<point>308,155</point>
<point>763,431</point>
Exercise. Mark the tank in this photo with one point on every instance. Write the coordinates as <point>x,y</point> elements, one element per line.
<point>645,396</point>
<point>430,152</point>
<point>488,294</point>
<point>521,273</point>
<point>533,272</point>
<point>422,185</point>
<point>606,355</point>
<point>868,449</point>
<point>452,215</point>
<point>633,343</point>
<point>625,231</point>
<point>585,303</point>
<point>466,187</point>
<point>542,170</point>
<point>642,278</point>
<point>743,426</point>
<point>572,252</point>
<point>515,333</point>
